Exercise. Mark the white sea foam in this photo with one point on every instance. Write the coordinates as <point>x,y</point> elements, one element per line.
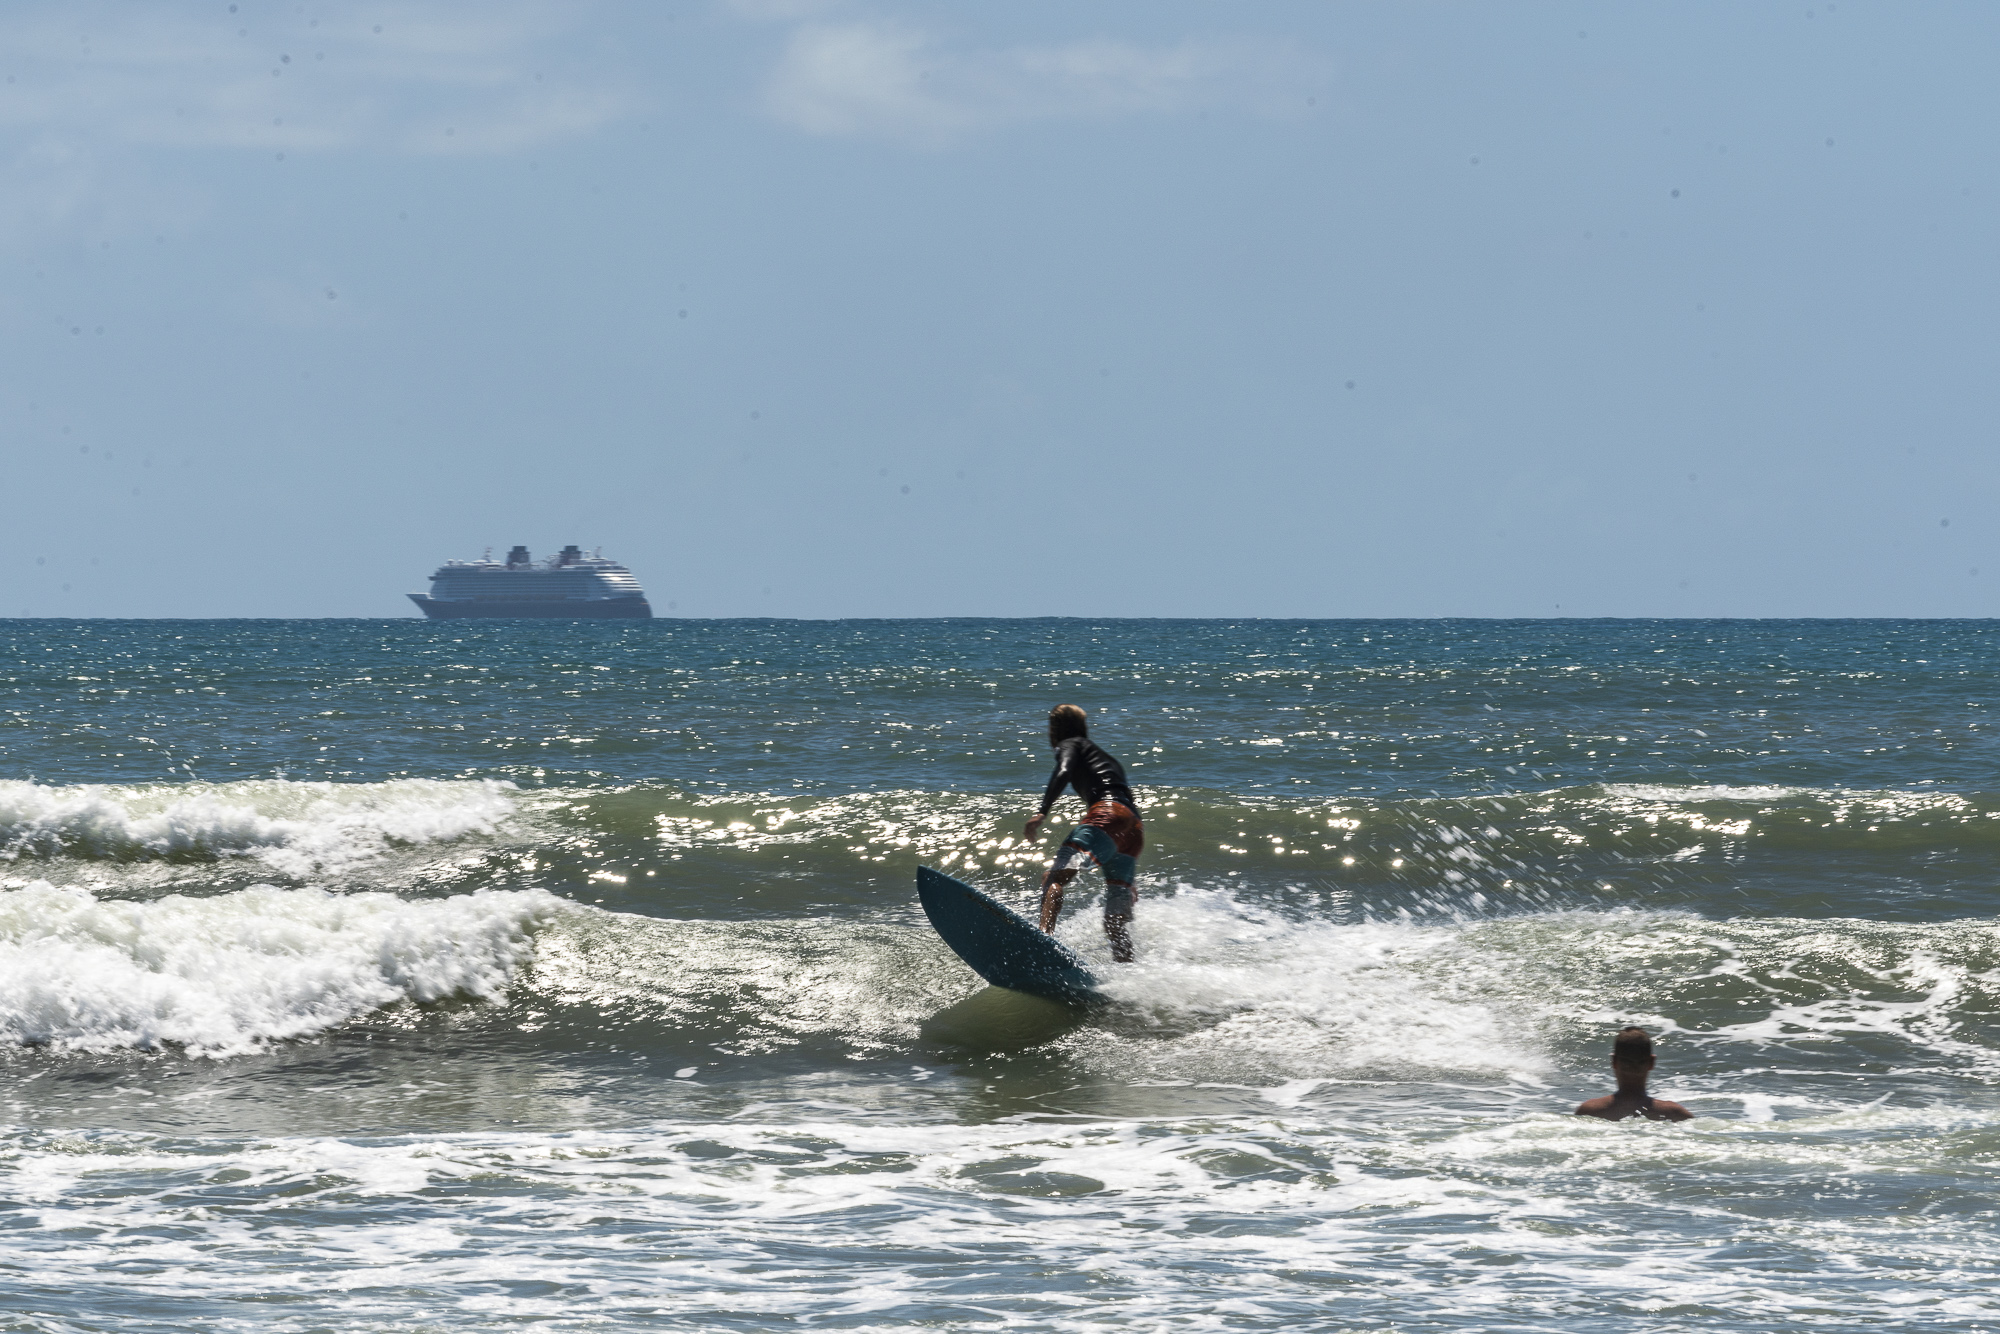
<point>1223,991</point>
<point>1394,1177</point>
<point>1664,792</point>
<point>1427,1221</point>
<point>232,972</point>
<point>295,828</point>
<point>1251,993</point>
<point>1846,803</point>
<point>1248,995</point>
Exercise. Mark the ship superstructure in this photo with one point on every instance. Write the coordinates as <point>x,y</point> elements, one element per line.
<point>567,584</point>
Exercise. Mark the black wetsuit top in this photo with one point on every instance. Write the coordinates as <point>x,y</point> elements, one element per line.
<point>1095,775</point>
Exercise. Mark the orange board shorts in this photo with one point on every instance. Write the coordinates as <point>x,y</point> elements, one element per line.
<point>1110,833</point>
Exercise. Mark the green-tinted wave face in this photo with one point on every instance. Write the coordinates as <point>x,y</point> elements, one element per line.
<point>1816,850</point>
<point>670,852</point>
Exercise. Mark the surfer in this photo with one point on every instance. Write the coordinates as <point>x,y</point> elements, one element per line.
<point>1632,1061</point>
<point>1110,833</point>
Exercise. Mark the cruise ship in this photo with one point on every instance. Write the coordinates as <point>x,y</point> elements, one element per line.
<point>568,584</point>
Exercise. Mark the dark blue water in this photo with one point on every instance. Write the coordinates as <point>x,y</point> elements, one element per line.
<point>366,975</point>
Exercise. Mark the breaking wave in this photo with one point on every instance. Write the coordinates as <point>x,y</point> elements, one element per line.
<point>231,973</point>
<point>294,828</point>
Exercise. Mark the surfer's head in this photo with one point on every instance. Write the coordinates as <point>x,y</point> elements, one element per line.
<point>1066,721</point>
<point>1632,1050</point>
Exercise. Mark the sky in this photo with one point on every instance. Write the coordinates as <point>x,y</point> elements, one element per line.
<point>858,308</point>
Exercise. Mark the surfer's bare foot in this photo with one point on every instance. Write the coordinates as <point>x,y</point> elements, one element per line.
<point>1052,898</point>
<point>1118,930</point>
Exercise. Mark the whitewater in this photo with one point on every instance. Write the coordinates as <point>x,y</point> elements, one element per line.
<point>413,976</point>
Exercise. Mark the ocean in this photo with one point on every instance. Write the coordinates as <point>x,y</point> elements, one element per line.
<point>428,976</point>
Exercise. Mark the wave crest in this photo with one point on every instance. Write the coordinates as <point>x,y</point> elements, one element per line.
<point>294,828</point>
<point>234,972</point>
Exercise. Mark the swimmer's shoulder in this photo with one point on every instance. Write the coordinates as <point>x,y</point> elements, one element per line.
<point>1607,1108</point>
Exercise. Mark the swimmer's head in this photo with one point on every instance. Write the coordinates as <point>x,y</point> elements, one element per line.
<point>1633,1049</point>
<point>1066,721</point>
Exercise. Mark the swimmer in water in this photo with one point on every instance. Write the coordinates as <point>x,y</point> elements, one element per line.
<point>1109,835</point>
<point>1632,1062</point>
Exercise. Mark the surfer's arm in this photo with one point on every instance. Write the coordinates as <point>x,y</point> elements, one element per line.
<point>1057,782</point>
<point>1056,786</point>
<point>1048,799</point>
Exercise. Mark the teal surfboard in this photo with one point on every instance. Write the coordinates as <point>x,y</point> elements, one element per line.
<point>1002,946</point>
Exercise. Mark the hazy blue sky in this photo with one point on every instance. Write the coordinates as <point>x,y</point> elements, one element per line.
<point>883,309</point>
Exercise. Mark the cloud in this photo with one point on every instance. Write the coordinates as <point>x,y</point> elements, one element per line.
<point>889,81</point>
<point>270,77</point>
<point>98,99</point>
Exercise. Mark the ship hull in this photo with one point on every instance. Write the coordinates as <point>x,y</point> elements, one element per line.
<point>595,609</point>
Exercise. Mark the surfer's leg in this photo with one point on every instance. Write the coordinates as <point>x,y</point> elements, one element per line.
<point>1059,874</point>
<point>1119,897</point>
<point>1121,878</point>
<point>1120,868</point>
<point>1113,837</point>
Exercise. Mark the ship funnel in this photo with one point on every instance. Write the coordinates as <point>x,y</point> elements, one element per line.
<point>571,554</point>
<point>517,558</point>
